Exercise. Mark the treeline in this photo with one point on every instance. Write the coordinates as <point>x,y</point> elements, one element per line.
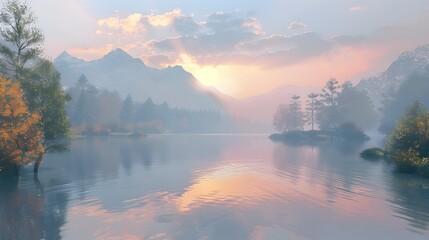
<point>336,106</point>
<point>95,111</point>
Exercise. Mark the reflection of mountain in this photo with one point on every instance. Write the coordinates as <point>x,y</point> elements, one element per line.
<point>119,71</point>
<point>406,64</point>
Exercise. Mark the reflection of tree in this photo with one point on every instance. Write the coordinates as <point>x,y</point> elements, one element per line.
<point>334,167</point>
<point>126,156</point>
<point>411,200</point>
<point>29,213</point>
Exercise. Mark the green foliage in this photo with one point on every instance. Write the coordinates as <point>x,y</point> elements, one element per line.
<point>348,105</point>
<point>127,111</point>
<point>408,144</point>
<point>373,154</point>
<point>23,38</point>
<point>355,106</point>
<point>312,108</point>
<point>45,95</point>
<point>279,118</point>
<point>40,81</point>
<point>328,115</point>
<point>289,117</point>
<point>350,131</point>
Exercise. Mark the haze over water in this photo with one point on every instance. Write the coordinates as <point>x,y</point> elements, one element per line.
<point>212,187</point>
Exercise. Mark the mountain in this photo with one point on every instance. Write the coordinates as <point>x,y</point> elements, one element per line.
<point>119,71</point>
<point>388,81</point>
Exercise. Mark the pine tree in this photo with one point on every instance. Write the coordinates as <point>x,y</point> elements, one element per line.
<point>311,110</point>
<point>25,40</point>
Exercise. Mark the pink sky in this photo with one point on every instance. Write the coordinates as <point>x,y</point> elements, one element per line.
<point>243,49</point>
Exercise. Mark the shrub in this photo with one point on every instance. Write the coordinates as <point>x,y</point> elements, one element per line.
<point>408,144</point>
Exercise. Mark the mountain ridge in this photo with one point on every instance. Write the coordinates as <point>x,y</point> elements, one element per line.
<point>388,81</point>
<point>117,70</point>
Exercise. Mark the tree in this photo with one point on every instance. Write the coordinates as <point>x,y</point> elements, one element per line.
<point>20,131</point>
<point>86,107</point>
<point>328,115</point>
<point>296,119</point>
<point>40,81</point>
<point>279,118</point>
<point>408,144</point>
<point>356,107</point>
<point>109,108</point>
<point>127,111</point>
<point>311,110</point>
<point>23,38</point>
<point>45,95</point>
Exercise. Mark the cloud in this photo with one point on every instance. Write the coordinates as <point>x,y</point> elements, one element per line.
<point>165,19</point>
<point>222,32</point>
<point>130,24</point>
<point>159,61</point>
<point>296,25</point>
<point>229,50</point>
<point>357,8</point>
<point>91,53</point>
<point>184,25</point>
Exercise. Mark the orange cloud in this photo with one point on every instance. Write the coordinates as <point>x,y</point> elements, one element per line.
<point>357,8</point>
<point>130,24</point>
<point>245,80</point>
<point>165,19</point>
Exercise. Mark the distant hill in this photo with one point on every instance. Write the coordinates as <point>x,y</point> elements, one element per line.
<point>389,81</point>
<point>121,72</point>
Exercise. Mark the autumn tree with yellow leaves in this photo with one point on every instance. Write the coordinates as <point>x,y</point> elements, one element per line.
<point>21,133</point>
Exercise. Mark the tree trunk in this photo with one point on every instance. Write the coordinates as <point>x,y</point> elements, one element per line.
<point>37,164</point>
<point>17,168</point>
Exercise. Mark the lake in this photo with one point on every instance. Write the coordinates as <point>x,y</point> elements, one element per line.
<point>212,187</point>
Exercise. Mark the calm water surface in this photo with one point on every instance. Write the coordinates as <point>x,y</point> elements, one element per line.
<point>212,187</point>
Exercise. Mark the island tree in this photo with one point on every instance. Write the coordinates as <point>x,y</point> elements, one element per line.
<point>311,110</point>
<point>279,118</point>
<point>329,116</point>
<point>356,107</point>
<point>295,120</point>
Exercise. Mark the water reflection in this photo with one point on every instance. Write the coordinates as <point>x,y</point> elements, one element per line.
<point>410,199</point>
<point>213,187</point>
<point>30,213</point>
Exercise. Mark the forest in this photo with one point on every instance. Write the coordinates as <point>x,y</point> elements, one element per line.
<point>95,111</point>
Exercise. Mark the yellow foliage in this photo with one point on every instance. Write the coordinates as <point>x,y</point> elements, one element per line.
<point>20,131</point>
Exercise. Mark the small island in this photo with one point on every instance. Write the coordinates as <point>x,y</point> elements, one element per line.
<point>340,112</point>
<point>346,132</point>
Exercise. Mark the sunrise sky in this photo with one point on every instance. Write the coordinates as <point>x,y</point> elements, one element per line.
<point>243,48</point>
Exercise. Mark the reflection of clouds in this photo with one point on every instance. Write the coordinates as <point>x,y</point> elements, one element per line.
<point>201,187</point>
<point>232,200</point>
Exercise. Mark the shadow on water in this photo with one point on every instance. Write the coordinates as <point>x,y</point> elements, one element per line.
<point>27,212</point>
